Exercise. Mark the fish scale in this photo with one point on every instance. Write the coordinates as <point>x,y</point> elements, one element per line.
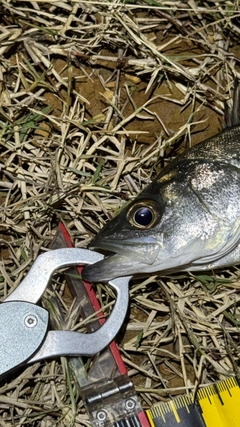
<point>187,219</point>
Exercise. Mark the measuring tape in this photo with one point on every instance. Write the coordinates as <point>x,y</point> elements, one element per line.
<point>217,405</point>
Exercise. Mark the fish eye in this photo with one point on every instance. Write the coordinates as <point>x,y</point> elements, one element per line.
<point>143,214</point>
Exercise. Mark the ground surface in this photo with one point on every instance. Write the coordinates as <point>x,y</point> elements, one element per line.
<point>96,97</point>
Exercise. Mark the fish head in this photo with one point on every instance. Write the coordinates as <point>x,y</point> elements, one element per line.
<point>161,230</point>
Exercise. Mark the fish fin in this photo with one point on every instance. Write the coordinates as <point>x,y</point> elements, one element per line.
<point>232,114</point>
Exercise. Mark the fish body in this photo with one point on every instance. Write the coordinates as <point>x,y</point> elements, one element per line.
<point>187,219</point>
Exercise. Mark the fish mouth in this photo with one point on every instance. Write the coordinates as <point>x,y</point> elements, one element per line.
<point>126,258</point>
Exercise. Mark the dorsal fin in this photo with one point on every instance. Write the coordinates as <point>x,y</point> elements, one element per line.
<point>232,114</point>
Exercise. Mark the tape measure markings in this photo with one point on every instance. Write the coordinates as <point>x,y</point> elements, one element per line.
<point>150,418</point>
<point>224,407</point>
<point>216,404</point>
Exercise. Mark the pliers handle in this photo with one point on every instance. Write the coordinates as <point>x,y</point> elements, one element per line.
<point>24,335</point>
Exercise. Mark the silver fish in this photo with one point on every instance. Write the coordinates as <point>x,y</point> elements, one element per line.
<point>187,219</point>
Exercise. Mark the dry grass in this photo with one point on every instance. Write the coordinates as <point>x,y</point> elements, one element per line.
<point>94,98</point>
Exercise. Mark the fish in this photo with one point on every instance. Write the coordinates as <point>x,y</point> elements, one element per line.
<point>186,219</point>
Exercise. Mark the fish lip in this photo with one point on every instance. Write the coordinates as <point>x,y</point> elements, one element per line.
<point>107,269</point>
<point>109,248</point>
<point>132,245</point>
<point>126,256</point>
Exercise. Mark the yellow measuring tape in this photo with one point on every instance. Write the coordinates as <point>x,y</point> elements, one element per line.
<point>216,405</point>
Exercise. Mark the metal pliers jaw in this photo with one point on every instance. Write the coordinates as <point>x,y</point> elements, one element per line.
<point>24,335</point>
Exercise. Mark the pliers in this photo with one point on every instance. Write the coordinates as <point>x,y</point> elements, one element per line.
<point>24,334</point>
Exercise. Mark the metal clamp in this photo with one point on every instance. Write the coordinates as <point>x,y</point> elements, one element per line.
<point>23,325</point>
